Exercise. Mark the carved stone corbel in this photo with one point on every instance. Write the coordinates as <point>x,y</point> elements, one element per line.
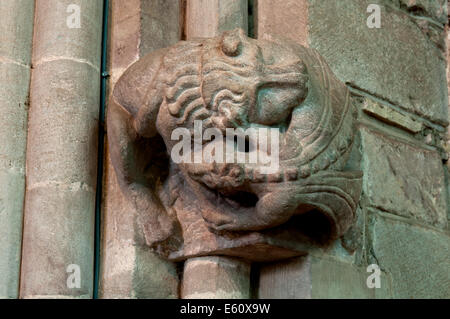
<point>200,208</point>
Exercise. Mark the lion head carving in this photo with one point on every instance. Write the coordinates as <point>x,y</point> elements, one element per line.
<point>203,207</point>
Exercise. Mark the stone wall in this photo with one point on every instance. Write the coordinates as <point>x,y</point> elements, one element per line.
<point>397,74</point>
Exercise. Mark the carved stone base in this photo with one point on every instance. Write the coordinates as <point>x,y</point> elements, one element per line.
<point>257,247</point>
<point>316,226</point>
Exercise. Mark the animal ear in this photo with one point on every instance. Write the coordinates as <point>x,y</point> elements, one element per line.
<point>138,153</point>
<point>139,92</point>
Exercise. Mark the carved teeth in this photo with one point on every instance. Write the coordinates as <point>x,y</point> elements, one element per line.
<point>275,177</point>
<point>288,174</point>
<point>258,177</point>
<point>305,171</point>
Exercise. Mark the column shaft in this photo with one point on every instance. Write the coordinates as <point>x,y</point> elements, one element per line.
<point>216,278</point>
<point>208,18</point>
<point>58,241</point>
<point>287,279</point>
<point>16,31</point>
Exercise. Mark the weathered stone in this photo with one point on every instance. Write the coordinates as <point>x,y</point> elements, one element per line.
<point>16,30</point>
<point>12,186</point>
<point>331,279</point>
<point>54,40</point>
<point>125,37</point>
<point>361,56</point>
<point>283,19</point>
<point>401,64</point>
<point>14,87</point>
<point>435,9</point>
<point>290,279</point>
<point>58,232</point>
<point>159,30</point>
<point>209,18</point>
<point>129,269</point>
<point>196,209</point>
<point>62,151</point>
<point>319,277</point>
<point>63,125</point>
<point>417,258</point>
<point>389,115</point>
<point>403,178</point>
<point>447,138</point>
<point>216,278</point>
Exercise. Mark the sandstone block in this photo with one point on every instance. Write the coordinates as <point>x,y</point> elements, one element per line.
<point>397,62</point>
<point>417,258</point>
<point>404,179</point>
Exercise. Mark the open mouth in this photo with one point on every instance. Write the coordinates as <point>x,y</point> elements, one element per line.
<point>307,222</point>
<point>240,198</point>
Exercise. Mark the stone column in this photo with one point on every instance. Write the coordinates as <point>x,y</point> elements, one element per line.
<point>208,18</point>
<point>62,151</point>
<point>216,278</point>
<point>16,31</point>
<point>128,268</point>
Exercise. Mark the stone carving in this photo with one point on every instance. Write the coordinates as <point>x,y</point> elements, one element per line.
<point>232,81</point>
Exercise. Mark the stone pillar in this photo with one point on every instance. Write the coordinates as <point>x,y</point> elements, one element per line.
<point>216,278</point>
<point>209,18</point>
<point>128,268</point>
<point>62,151</point>
<point>16,31</point>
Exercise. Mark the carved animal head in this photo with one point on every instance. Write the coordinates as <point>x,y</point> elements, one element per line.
<point>207,87</point>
